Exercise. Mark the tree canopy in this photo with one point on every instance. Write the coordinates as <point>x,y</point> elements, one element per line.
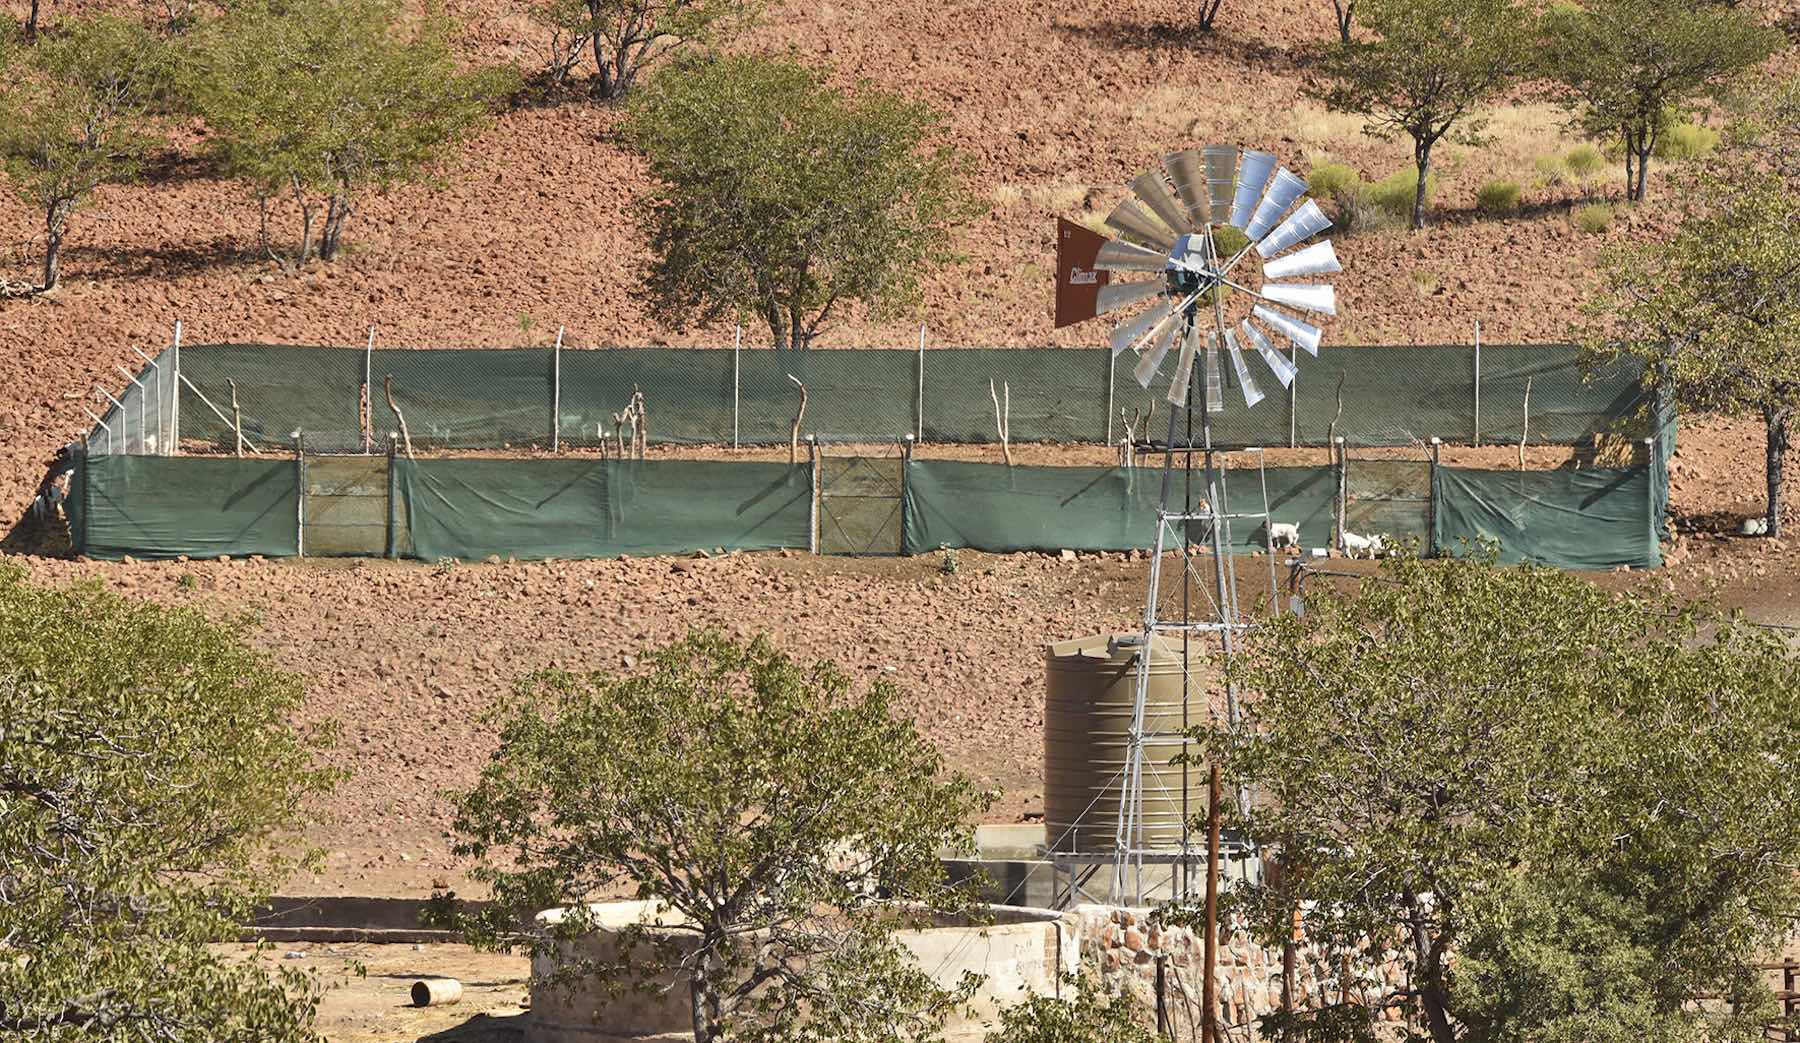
<point>76,114</point>
<point>1425,71</point>
<point>1630,68</point>
<point>789,823</point>
<point>147,776</point>
<point>318,101</point>
<point>1714,310</point>
<point>784,198</point>
<point>1563,812</point>
<point>629,36</point>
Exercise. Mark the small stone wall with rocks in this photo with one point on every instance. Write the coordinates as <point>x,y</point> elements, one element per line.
<point>1121,946</point>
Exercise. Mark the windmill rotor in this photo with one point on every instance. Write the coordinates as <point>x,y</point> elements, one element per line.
<point>1175,291</point>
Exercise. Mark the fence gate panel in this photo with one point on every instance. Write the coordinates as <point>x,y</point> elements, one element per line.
<point>1390,499</point>
<point>859,504</point>
<point>345,511</point>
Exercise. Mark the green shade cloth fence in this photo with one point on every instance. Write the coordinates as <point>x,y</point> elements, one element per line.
<point>158,507</point>
<point>470,509</point>
<point>994,508</point>
<point>1594,519</point>
<point>486,398</point>
<point>1576,519</point>
<point>165,507</point>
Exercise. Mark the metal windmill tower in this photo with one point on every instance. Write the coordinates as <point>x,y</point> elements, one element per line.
<point>1196,305</point>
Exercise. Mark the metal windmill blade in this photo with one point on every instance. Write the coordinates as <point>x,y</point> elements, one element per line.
<point>1194,304</point>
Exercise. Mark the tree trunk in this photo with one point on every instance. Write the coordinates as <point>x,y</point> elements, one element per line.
<point>605,86</point>
<point>1422,160</point>
<point>1209,13</point>
<point>31,23</point>
<point>1643,168</point>
<point>1346,11</point>
<point>1775,421</point>
<point>778,333</point>
<point>56,222</point>
<point>800,334</point>
<point>331,234</point>
<point>704,1001</point>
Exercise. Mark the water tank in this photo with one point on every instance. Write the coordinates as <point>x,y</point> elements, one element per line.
<point>1090,685</point>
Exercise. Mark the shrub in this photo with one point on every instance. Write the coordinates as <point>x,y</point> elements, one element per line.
<point>1330,179</point>
<point>1594,218</point>
<point>1394,193</point>
<point>1358,212</point>
<point>1498,196</point>
<point>1686,141</point>
<point>1551,170</point>
<point>1584,160</point>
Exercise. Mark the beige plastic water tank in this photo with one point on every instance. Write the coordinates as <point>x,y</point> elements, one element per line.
<point>1090,686</point>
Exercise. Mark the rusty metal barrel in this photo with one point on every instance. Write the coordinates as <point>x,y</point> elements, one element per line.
<point>1090,688</point>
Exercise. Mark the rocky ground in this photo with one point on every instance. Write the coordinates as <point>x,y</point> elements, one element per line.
<point>533,227</point>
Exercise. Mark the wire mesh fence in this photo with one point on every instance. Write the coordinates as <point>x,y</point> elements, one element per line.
<point>545,397</point>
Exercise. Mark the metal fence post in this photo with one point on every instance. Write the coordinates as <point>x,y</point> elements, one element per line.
<point>391,485</point>
<point>1343,522</point>
<point>1112,369</point>
<point>812,522</point>
<point>1475,433</point>
<point>1294,405</point>
<point>556,392</point>
<point>143,409</point>
<point>299,495</point>
<point>919,398</point>
<point>737,351</point>
<point>174,444</point>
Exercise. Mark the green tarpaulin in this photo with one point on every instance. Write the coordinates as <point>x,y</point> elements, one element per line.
<point>995,508</point>
<point>490,398</point>
<point>469,509</point>
<point>1592,519</point>
<point>163,507</point>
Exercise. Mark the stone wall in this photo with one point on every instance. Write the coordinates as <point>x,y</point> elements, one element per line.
<point>1121,947</point>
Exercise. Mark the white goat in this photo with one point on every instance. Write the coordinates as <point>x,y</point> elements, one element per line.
<point>1363,546</point>
<point>1285,535</point>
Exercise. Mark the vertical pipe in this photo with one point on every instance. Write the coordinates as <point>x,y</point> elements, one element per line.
<point>919,398</point>
<point>299,495</point>
<point>143,410</point>
<point>1475,436</point>
<point>1209,1016</point>
<point>737,351</point>
<point>173,446</point>
<point>1431,505</point>
<point>1162,1004</point>
<point>905,485</point>
<point>556,392</point>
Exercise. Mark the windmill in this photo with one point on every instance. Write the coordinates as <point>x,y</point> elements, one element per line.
<point>1172,271</point>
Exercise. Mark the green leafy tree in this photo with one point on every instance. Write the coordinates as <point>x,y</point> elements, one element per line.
<point>77,114</point>
<point>763,802</point>
<point>320,101</point>
<point>1426,71</point>
<point>1089,1016</point>
<point>629,36</point>
<point>1714,311</point>
<point>1563,812</point>
<point>147,772</point>
<point>782,197</point>
<point>1630,69</point>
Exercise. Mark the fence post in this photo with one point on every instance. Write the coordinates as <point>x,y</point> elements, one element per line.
<point>1431,499</point>
<point>1337,451</point>
<point>1112,367</point>
<point>1294,405</point>
<point>737,350</point>
<point>812,521</point>
<point>906,455</point>
<point>556,392</point>
<point>391,483</point>
<point>919,399</point>
<point>1475,433</point>
<point>299,495</point>
<point>174,444</point>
